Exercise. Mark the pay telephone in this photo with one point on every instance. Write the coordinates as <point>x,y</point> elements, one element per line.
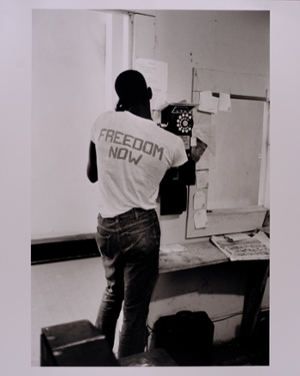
<point>178,119</point>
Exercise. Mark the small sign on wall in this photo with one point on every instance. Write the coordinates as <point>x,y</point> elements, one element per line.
<point>208,103</point>
<point>200,219</point>
<point>156,75</point>
<point>200,199</point>
<point>202,179</point>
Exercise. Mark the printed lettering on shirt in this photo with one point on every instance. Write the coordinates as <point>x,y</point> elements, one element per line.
<point>129,141</point>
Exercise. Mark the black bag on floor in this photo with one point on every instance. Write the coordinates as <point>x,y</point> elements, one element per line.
<point>186,336</point>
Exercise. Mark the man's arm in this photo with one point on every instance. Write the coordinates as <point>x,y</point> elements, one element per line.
<point>92,164</point>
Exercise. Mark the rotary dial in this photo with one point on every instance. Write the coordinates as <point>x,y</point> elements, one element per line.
<point>183,122</point>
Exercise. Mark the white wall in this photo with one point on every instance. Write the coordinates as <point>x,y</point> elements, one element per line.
<point>233,42</point>
<point>67,96</point>
<point>74,65</point>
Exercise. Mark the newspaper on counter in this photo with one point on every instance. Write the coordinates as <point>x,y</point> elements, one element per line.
<point>240,246</point>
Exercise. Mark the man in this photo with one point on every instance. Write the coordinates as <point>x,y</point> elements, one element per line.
<point>129,155</point>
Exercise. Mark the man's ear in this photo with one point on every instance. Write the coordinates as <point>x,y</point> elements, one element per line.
<point>149,91</point>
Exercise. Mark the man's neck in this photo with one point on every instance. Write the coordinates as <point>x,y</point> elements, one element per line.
<point>141,111</point>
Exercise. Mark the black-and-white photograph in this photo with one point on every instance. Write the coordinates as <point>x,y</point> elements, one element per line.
<point>144,147</point>
<point>150,135</point>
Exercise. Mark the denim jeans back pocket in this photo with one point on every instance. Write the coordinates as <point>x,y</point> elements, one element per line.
<point>143,243</point>
<point>103,242</point>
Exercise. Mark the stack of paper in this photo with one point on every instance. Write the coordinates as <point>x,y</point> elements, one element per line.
<point>244,247</point>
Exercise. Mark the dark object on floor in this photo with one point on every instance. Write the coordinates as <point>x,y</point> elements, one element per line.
<point>75,344</point>
<point>187,336</point>
<point>260,348</point>
<point>153,358</point>
<point>235,353</point>
<point>230,353</point>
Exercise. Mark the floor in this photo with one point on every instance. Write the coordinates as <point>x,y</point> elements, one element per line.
<point>63,292</point>
<point>67,291</point>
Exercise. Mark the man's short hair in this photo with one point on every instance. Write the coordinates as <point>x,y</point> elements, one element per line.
<point>131,87</point>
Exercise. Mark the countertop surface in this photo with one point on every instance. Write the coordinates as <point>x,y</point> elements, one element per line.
<point>188,256</point>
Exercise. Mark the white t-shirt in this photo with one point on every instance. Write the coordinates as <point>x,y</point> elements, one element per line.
<point>133,155</point>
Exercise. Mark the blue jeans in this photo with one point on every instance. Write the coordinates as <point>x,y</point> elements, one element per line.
<point>129,246</point>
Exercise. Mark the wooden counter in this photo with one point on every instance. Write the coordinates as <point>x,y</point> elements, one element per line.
<point>196,254</point>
